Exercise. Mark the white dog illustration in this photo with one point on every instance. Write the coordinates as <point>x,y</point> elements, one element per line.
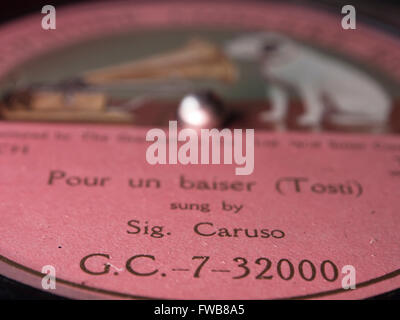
<point>357,98</point>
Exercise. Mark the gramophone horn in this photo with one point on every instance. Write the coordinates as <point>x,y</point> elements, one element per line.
<point>198,59</point>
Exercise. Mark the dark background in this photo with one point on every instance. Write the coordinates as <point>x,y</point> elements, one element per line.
<point>382,13</point>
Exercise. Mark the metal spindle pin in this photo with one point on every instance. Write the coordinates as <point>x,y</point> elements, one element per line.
<point>201,110</point>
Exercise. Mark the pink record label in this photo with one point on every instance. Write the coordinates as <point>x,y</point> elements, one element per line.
<point>83,200</point>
